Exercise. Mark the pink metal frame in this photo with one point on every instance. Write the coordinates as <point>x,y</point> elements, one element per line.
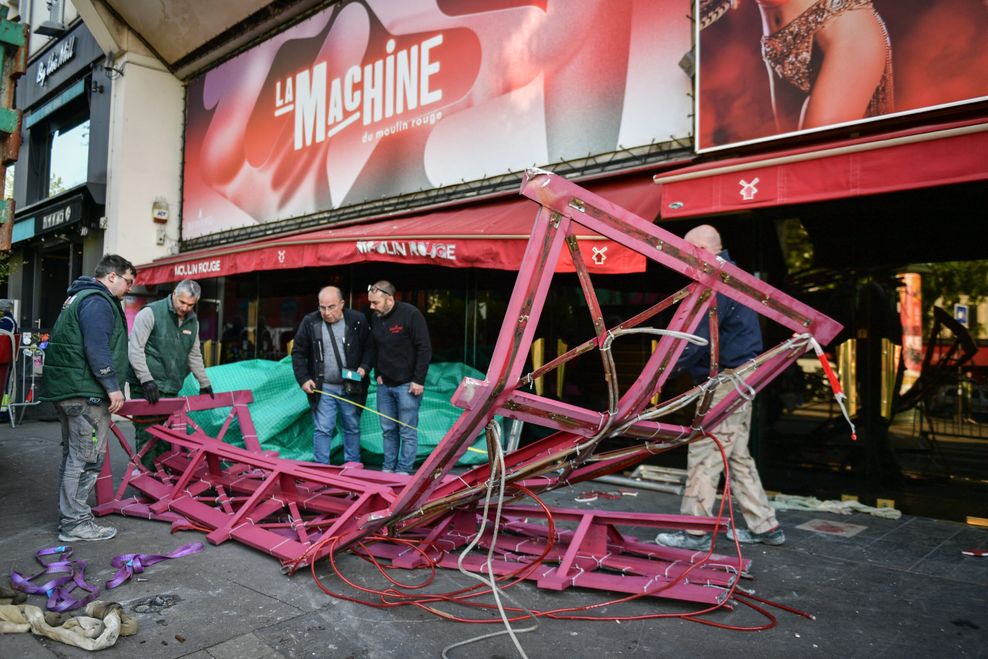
<point>301,511</point>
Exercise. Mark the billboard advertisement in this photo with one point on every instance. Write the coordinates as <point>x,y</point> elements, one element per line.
<point>773,68</point>
<point>370,99</point>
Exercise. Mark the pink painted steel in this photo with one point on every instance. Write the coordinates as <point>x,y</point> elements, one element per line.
<point>299,511</point>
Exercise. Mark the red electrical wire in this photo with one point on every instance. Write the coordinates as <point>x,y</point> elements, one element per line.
<point>395,595</point>
<point>392,597</point>
<point>455,596</point>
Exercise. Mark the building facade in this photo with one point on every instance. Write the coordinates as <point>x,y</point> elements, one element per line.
<point>268,149</point>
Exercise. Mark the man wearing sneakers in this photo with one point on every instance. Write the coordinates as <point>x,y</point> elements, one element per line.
<point>404,351</point>
<point>740,341</point>
<point>85,364</point>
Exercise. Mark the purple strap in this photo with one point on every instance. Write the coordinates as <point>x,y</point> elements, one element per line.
<point>71,575</point>
<point>131,564</point>
<point>58,590</point>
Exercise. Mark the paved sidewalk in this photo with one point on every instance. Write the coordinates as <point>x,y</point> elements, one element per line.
<point>897,588</point>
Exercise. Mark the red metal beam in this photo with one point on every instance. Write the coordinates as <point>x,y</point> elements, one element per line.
<point>299,512</point>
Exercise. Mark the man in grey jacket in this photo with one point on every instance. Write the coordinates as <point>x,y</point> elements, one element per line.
<point>163,350</point>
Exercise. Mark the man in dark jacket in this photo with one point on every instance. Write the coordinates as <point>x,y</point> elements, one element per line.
<point>403,351</point>
<point>318,368</point>
<point>7,321</point>
<point>85,364</point>
<point>164,349</point>
<point>740,340</point>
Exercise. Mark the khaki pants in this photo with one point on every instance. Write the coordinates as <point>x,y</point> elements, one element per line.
<point>705,465</point>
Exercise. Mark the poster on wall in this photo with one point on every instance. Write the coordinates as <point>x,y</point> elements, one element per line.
<point>372,99</point>
<point>773,68</point>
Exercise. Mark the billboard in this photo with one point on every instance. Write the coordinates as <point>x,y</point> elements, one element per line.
<point>370,99</point>
<point>768,69</point>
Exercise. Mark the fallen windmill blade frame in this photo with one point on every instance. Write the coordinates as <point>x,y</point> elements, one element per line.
<point>290,509</point>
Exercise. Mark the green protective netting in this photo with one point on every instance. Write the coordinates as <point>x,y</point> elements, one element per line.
<point>281,415</point>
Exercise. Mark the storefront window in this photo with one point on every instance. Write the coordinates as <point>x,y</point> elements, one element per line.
<point>69,158</point>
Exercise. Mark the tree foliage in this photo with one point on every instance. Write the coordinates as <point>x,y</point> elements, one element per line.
<point>949,282</point>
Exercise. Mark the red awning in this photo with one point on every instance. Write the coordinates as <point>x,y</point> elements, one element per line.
<point>942,155</point>
<point>980,358</point>
<point>482,235</point>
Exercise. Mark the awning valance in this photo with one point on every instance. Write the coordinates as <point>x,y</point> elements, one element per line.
<point>481,235</point>
<point>919,158</point>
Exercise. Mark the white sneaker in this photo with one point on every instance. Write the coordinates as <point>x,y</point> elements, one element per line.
<point>684,540</point>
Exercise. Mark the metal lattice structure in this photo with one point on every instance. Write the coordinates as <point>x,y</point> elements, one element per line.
<point>299,512</point>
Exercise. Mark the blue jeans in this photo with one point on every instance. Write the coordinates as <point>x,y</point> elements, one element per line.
<point>397,403</point>
<point>324,419</point>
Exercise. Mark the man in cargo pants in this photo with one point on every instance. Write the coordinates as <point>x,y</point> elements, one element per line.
<point>740,340</point>
<point>85,364</point>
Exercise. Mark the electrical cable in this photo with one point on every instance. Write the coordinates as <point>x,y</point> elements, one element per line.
<point>390,597</point>
<point>498,473</point>
<point>393,595</point>
<point>364,407</point>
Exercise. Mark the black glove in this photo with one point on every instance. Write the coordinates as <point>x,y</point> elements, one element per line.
<point>207,390</point>
<point>151,392</point>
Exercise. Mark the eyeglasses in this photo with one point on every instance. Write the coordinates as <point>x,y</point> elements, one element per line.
<point>377,289</point>
<point>128,280</point>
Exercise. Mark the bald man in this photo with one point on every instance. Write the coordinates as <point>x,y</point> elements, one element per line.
<point>740,340</point>
<point>331,355</point>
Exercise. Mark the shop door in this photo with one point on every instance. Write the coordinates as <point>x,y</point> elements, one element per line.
<point>54,277</point>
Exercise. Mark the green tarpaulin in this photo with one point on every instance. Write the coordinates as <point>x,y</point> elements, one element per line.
<point>284,423</point>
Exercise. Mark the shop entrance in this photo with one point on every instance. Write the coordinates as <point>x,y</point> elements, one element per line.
<point>58,266</point>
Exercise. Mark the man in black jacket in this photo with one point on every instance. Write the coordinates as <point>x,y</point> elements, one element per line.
<point>403,351</point>
<point>318,367</point>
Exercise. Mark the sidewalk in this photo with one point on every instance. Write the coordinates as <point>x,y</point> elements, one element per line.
<point>896,588</point>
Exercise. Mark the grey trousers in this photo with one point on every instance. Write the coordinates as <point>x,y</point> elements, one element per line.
<point>85,429</point>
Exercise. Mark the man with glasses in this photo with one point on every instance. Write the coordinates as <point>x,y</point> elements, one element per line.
<point>331,355</point>
<point>85,364</point>
<point>401,340</point>
<point>164,349</point>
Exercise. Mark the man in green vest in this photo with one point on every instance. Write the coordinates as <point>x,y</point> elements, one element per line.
<point>164,349</point>
<point>85,364</point>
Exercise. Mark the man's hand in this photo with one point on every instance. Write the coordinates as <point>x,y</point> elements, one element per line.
<point>416,389</point>
<point>151,392</point>
<point>361,371</point>
<point>116,401</point>
<point>309,386</point>
<point>208,389</point>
